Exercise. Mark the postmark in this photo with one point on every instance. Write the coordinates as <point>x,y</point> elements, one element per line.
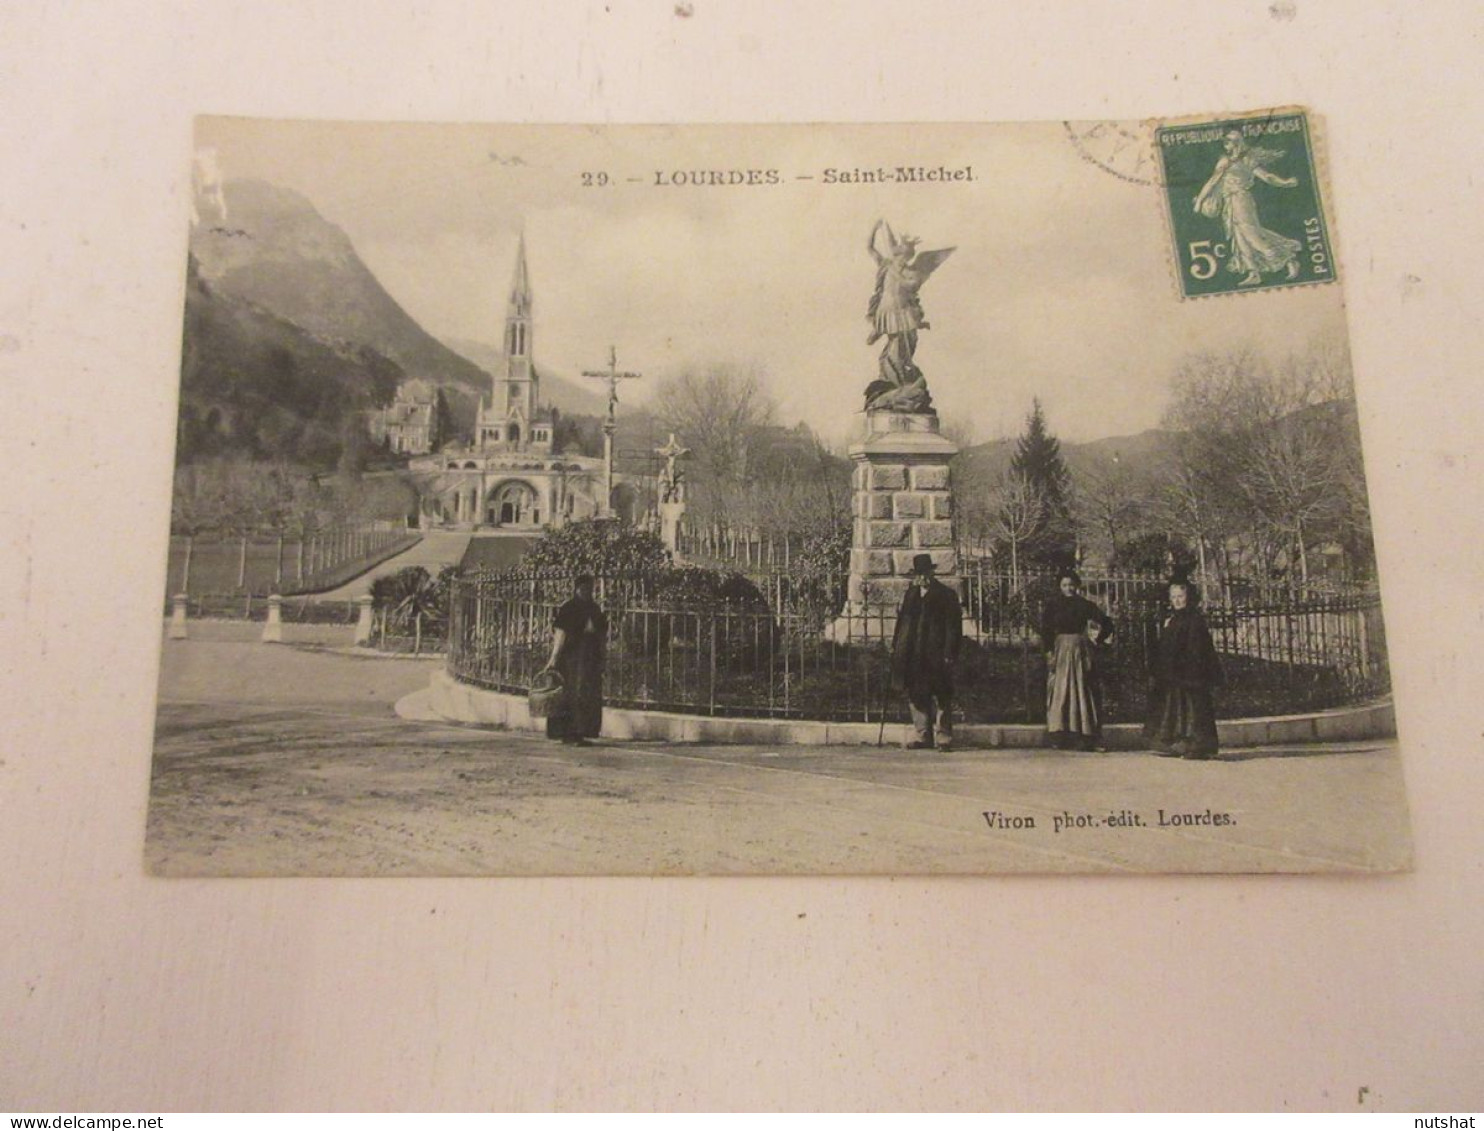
<point>1244,203</point>
<point>1120,148</point>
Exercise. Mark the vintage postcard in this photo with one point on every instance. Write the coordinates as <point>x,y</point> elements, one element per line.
<point>826,499</point>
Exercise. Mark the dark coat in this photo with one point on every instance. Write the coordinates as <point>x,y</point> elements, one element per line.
<point>1185,655</point>
<point>929,630</point>
<point>1184,667</point>
<point>581,667</point>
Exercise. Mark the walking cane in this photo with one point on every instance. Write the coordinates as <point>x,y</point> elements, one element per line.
<point>881,731</point>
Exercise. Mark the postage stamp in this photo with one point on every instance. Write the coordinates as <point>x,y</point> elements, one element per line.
<point>1245,206</point>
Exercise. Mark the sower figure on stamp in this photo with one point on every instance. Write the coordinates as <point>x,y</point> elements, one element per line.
<point>928,634</point>
<point>1228,195</point>
<point>578,642</point>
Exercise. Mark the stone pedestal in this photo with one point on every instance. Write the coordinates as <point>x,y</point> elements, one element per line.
<point>363,621</point>
<point>273,629</point>
<point>903,507</point>
<point>178,616</point>
<point>670,515</point>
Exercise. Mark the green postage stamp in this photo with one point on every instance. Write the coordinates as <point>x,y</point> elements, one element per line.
<point>1244,202</point>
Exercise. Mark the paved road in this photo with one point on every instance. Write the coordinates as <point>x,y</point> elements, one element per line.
<point>288,760</point>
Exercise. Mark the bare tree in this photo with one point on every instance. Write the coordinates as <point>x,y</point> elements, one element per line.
<point>1017,513</point>
<point>717,412</point>
<point>1322,369</point>
<point>1202,502</point>
<point>1259,454</point>
<point>1109,505</point>
<point>963,432</point>
<point>974,501</point>
<point>1191,507</point>
<point>746,475</point>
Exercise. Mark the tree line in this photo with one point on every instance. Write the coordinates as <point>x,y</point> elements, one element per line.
<point>241,498</point>
<point>746,471</point>
<point>1255,480</point>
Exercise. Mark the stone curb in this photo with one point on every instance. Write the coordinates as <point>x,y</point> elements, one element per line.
<point>448,700</point>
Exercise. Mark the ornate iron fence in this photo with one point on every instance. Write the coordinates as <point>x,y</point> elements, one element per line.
<point>777,645</point>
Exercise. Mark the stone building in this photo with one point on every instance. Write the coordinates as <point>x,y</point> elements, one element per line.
<point>413,423</point>
<point>508,474</point>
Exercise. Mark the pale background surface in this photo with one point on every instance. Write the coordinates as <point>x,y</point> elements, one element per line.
<point>124,993</point>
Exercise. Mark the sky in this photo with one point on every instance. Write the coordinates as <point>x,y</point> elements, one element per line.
<point>1061,286</point>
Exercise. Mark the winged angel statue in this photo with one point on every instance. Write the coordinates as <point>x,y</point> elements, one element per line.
<point>896,315</point>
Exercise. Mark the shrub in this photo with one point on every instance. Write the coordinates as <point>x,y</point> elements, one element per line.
<point>1153,552</point>
<point>819,575</point>
<point>600,546</point>
<point>700,586</point>
<point>676,608</point>
<point>412,592</point>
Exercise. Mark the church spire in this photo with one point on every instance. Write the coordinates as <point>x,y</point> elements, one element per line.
<point>519,303</point>
<point>521,391</point>
<point>518,318</point>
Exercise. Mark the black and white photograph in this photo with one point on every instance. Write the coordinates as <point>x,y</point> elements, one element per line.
<point>681,556</point>
<point>767,500</point>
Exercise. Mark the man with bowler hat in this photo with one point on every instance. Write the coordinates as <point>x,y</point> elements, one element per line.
<point>928,634</point>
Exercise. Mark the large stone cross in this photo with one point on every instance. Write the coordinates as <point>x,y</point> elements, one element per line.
<point>613,377</point>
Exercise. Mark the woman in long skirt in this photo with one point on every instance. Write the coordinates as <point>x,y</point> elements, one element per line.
<point>1071,629</point>
<point>1184,670</point>
<point>577,651</point>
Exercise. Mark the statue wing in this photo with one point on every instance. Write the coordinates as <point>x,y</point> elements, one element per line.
<point>926,262</point>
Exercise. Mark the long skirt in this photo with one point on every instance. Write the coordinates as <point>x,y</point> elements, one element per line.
<point>1253,247</point>
<point>1071,688</point>
<point>581,713</point>
<point>1182,720</point>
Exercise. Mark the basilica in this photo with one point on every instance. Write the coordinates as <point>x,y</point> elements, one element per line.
<point>510,475</point>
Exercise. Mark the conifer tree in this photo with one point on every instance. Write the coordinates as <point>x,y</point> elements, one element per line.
<point>1038,462</point>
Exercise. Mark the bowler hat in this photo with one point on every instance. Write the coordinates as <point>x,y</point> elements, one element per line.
<point>923,563</point>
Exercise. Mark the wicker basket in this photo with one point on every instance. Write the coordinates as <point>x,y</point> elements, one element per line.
<point>547,695</point>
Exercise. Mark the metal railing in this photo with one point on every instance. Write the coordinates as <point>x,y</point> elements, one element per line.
<point>733,548</point>
<point>250,607</point>
<point>262,564</point>
<point>775,645</point>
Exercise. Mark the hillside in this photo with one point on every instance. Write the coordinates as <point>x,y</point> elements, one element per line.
<point>256,385</point>
<point>274,250</point>
<point>1139,454</point>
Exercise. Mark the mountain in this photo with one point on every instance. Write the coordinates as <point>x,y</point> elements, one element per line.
<point>575,396</point>
<point>1143,450</point>
<point>1139,454</point>
<point>270,247</point>
<point>254,384</point>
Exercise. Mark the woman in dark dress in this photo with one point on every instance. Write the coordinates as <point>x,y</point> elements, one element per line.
<point>1184,669</point>
<point>578,641</point>
<point>1071,628</point>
